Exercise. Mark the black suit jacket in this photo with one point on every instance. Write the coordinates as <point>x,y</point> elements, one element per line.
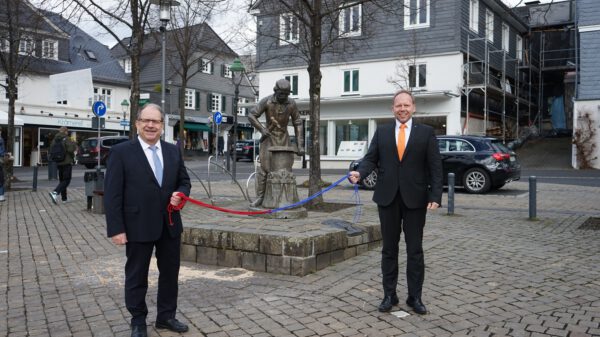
<point>134,202</point>
<point>418,176</point>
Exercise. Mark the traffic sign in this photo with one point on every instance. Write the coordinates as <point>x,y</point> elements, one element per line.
<point>218,117</point>
<point>99,108</point>
<point>124,122</point>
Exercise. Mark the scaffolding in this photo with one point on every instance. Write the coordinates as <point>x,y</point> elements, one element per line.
<point>493,74</point>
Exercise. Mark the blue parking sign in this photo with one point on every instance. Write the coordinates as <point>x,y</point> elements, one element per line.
<point>99,108</point>
<point>218,117</point>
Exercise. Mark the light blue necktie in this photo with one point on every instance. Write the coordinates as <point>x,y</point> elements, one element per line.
<point>158,169</point>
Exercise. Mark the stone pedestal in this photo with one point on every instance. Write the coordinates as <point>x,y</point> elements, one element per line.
<point>281,189</point>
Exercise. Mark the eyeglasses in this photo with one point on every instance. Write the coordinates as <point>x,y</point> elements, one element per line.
<point>148,121</point>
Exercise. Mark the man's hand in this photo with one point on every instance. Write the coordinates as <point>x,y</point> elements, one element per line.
<point>176,199</point>
<point>433,205</point>
<point>354,177</point>
<point>119,239</point>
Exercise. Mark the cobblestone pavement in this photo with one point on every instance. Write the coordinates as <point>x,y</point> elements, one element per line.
<point>490,272</point>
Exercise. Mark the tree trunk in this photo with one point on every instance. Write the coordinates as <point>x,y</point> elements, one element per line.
<point>314,73</point>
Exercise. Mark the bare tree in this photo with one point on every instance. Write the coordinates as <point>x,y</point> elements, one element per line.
<point>406,75</point>
<point>317,28</point>
<point>22,27</point>
<point>134,15</point>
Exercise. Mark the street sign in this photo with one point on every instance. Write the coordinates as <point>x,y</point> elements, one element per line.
<point>144,98</point>
<point>124,122</point>
<point>99,108</point>
<point>218,117</point>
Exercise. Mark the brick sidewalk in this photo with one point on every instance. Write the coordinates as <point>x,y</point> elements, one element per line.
<point>490,272</point>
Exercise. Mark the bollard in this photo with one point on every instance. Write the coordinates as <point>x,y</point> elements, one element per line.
<point>35,175</point>
<point>532,197</point>
<point>450,193</point>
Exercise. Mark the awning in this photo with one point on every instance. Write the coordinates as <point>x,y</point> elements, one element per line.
<point>4,119</point>
<point>196,127</point>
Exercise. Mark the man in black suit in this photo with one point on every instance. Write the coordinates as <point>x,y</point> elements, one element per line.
<point>142,177</point>
<point>409,182</point>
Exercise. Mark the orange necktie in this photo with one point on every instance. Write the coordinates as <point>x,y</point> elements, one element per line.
<point>401,141</point>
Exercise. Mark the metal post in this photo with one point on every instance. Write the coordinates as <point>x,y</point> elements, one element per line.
<point>35,176</point>
<point>532,197</point>
<point>235,113</point>
<point>450,193</point>
<point>163,29</point>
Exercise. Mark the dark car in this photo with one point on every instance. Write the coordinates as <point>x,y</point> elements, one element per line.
<point>244,149</point>
<point>88,151</point>
<point>479,164</point>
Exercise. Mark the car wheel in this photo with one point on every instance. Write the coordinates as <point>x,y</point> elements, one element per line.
<point>89,166</point>
<point>370,181</point>
<point>476,181</point>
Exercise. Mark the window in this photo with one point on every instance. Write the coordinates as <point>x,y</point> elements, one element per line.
<point>50,49</point>
<point>6,89</point>
<point>293,79</point>
<point>206,66</point>
<point>505,37</point>
<point>90,55</point>
<point>454,145</point>
<point>351,81</point>
<point>474,15</point>
<point>416,14</point>
<point>242,111</point>
<point>26,46</point>
<point>489,25</point>
<point>102,94</point>
<point>126,65</point>
<point>519,48</point>
<point>4,46</point>
<point>417,76</point>
<point>350,18</point>
<point>215,102</point>
<point>289,30</point>
<point>190,95</point>
<point>226,70</point>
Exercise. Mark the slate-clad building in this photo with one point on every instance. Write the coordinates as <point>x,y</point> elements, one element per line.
<point>209,88</point>
<point>55,46</point>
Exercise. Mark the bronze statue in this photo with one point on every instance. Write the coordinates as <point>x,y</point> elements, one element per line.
<point>278,109</point>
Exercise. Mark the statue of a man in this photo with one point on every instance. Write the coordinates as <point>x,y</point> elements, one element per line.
<point>278,109</point>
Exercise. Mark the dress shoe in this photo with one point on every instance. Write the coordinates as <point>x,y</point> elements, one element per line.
<point>139,331</point>
<point>388,302</point>
<point>172,324</point>
<point>416,305</point>
<point>257,203</point>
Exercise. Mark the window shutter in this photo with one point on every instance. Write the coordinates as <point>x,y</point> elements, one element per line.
<point>212,67</point>
<point>222,70</point>
<point>197,101</point>
<point>223,104</point>
<point>209,102</point>
<point>200,64</point>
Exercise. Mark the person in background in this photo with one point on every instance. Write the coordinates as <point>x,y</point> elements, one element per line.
<point>65,167</point>
<point>409,183</point>
<point>144,176</point>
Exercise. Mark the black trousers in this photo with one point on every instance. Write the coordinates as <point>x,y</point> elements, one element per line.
<point>64,178</point>
<point>139,255</point>
<point>394,219</point>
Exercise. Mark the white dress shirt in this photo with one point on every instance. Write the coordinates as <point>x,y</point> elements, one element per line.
<point>148,153</point>
<point>406,131</point>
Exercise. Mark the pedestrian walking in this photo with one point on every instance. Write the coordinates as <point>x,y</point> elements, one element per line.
<point>143,176</point>
<point>64,161</point>
<point>409,183</point>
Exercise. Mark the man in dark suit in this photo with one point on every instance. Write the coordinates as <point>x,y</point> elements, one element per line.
<point>409,182</point>
<point>142,177</point>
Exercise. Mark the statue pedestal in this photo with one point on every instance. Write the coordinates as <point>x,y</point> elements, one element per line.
<point>281,189</point>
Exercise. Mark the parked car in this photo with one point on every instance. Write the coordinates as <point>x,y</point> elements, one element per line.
<point>244,149</point>
<point>88,151</point>
<point>479,164</point>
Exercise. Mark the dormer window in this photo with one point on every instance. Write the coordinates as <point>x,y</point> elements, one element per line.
<point>26,46</point>
<point>50,49</point>
<point>90,55</point>
<point>126,65</point>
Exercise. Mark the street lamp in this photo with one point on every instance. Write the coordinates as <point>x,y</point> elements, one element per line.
<point>236,67</point>
<point>165,17</point>
<point>125,109</point>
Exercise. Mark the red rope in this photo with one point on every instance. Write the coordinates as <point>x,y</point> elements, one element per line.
<point>171,208</point>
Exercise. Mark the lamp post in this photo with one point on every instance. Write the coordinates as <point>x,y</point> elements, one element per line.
<point>125,109</point>
<point>236,67</point>
<point>165,17</point>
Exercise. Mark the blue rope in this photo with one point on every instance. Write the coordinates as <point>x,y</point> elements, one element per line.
<point>358,209</point>
<point>312,196</point>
